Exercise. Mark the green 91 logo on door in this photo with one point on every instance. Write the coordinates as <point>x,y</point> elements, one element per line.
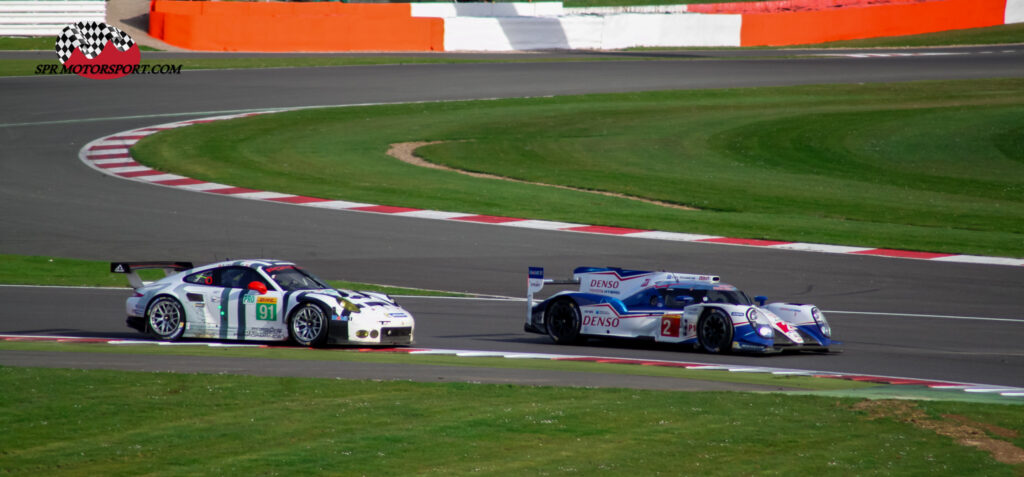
<point>266,308</point>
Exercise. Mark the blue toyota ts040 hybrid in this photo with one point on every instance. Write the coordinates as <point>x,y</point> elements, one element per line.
<point>671,308</point>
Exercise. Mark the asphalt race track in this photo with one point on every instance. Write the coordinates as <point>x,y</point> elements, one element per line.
<point>897,317</point>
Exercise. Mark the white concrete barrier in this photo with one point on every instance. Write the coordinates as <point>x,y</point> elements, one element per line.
<point>1014,11</point>
<point>47,17</point>
<point>520,33</point>
<point>590,32</point>
<point>625,9</point>
<point>512,9</point>
<point>687,29</point>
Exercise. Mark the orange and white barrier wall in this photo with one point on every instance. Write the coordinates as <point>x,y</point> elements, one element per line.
<point>284,26</point>
<point>280,26</point>
<point>895,19</point>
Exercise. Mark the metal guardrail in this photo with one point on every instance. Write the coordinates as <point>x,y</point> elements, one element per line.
<point>47,17</point>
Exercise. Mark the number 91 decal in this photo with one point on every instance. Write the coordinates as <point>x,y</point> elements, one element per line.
<point>266,309</point>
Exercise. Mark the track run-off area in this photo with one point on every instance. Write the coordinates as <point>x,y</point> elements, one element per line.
<point>932,320</point>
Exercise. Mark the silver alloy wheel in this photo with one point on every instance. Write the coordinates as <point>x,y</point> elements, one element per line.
<point>308,324</point>
<point>166,318</point>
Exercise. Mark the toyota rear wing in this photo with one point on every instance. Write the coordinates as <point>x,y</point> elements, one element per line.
<point>535,283</point>
<point>131,269</point>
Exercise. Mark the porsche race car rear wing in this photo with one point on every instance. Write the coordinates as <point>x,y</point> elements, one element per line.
<point>536,282</point>
<point>131,268</point>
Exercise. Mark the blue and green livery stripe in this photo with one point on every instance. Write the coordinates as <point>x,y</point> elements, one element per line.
<point>241,313</point>
<point>225,300</point>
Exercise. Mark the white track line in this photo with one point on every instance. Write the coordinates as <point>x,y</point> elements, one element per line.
<point>914,315</point>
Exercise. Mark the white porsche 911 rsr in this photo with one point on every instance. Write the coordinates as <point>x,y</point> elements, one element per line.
<point>259,300</point>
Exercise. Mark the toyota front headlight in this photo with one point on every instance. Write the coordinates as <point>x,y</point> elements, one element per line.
<point>819,318</point>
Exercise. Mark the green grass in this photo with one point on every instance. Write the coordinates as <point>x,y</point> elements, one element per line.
<point>1002,34</point>
<point>931,166</point>
<point>72,422</point>
<point>26,67</point>
<point>27,43</point>
<point>39,270</point>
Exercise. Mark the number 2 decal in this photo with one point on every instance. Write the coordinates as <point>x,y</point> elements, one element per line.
<point>670,325</point>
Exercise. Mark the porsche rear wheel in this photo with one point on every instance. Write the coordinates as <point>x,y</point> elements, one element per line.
<point>714,331</point>
<point>562,320</point>
<point>308,325</point>
<point>166,318</point>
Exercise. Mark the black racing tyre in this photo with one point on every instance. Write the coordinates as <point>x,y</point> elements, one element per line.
<point>562,320</point>
<point>714,331</point>
<point>308,325</point>
<point>165,318</point>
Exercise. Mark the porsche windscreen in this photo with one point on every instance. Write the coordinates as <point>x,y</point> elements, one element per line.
<point>290,278</point>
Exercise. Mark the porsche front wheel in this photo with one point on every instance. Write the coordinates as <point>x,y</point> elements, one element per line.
<point>308,325</point>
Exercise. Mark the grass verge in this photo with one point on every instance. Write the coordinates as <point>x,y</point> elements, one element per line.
<point>27,67</point>
<point>997,35</point>
<point>56,271</point>
<point>27,43</point>
<point>58,422</point>
<point>24,43</point>
<point>930,166</point>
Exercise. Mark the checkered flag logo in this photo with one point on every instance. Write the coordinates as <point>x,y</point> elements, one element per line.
<point>90,38</point>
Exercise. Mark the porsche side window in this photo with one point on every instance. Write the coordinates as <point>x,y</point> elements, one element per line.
<point>201,278</point>
<point>236,277</point>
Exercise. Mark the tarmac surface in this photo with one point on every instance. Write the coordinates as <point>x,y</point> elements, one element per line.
<point>909,318</point>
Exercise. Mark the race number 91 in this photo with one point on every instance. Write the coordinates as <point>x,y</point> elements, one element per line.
<point>266,311</point>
